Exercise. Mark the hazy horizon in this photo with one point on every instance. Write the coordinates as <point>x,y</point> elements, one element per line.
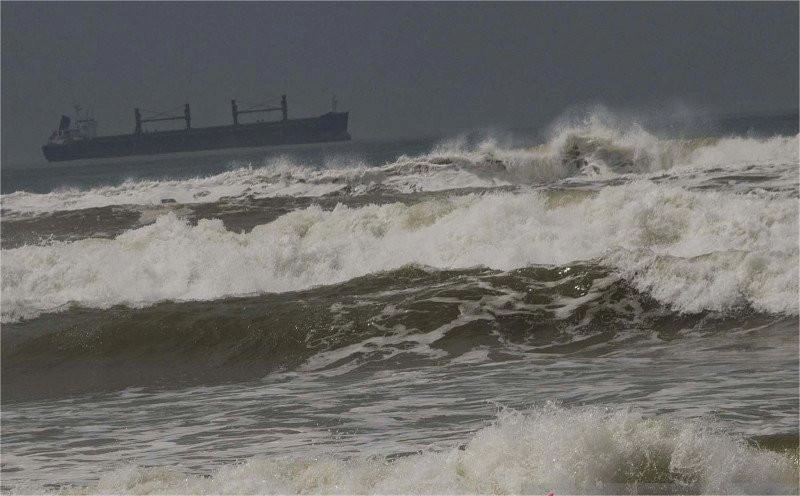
<point>401,69</point>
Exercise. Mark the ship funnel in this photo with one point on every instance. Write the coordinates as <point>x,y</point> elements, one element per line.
<point>64,124</point>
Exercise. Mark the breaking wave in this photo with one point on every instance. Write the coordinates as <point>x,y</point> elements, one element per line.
<point>410,313</point>
<point>590,150</point>
<point>567,451</point>
<point>693,251</point>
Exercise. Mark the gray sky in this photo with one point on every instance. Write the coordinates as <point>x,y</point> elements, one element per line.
<point>401,69</point>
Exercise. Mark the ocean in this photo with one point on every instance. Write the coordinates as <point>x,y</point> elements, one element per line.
<point>597,307</point>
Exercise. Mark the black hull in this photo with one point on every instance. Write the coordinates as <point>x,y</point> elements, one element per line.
<point>328,127</point>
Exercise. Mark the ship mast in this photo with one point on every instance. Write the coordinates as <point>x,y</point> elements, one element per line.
<point>187,116</point>
<point>284,108</point>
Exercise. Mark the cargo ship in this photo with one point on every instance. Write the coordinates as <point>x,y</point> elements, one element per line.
<point>80,140</point>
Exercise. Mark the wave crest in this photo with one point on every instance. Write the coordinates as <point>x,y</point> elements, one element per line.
<point>591,149</point>
<point>661,238</point>
<point>568,451</point>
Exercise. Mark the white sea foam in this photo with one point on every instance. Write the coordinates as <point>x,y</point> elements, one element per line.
<point>739,150</point>
<point>272,180</point>
<point>604,151</point>
<point>690,250</point>
<point>577,451</point>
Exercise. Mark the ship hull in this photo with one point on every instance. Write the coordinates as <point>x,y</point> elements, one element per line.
<point>328,127</point>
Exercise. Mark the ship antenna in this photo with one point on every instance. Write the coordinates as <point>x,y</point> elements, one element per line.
<point>333,103</point>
